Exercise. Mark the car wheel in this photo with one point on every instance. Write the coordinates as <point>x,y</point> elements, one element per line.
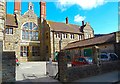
<point>73,65</point>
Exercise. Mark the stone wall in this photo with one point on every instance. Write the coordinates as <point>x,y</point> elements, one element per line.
<point>58,43</point>
<point>117,50</point>
<point>88,31</point>
<point>62,67</point>
<point>8,67</point>
<point>11,40</point>
<point>1,49</point>
<point>109,48</point>
<point>68,74</point>
<point>75,73</point>
<point>2,17</point>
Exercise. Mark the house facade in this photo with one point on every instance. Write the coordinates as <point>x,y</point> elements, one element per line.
<point>35,39</point>
<point>108,43</point>
<point>57,35</point>
<point>22,33</point>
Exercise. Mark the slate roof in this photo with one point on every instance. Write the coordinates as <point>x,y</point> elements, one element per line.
<point>10,20</point>
<point>109,38</point>
<point>63,27</point>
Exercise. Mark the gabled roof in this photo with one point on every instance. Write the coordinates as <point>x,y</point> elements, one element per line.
<point>85,27</point>
<point>30,14</point>
<point>109,38</point>
<point>62,27</point>
<point>11,20</point>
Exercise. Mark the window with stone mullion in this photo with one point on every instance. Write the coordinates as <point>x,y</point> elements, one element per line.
<point>9,30</point>
<point>31,31</point>
<point>24,51</point>
<point>35,51</point>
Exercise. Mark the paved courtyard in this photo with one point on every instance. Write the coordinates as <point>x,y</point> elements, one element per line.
<point>33,72</point>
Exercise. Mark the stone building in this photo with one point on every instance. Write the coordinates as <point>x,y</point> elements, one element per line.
<point>56,35</point>
<point>22,33</point>
<point>34,38</point>
<point>2,25</point>
<point>2,17</point>
<point>108,43</point>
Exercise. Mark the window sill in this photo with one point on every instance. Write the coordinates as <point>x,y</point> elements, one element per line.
<point>9,34</point>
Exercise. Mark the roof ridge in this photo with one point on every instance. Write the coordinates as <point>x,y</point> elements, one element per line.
<point>92,38</point>
<point>63,23</point>
<point>92,41</point>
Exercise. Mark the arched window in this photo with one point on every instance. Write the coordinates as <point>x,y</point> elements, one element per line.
<point>30,31</point>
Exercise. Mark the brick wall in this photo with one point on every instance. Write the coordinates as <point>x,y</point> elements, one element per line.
<point>73,73</point>
<point>8,67</point>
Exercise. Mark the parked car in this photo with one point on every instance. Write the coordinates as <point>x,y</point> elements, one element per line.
<point>81,60</point>
<point>108,57</point>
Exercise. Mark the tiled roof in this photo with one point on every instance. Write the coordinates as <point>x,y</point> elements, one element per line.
<point>63,27</point>
<point>10,20</point>
<point>92,41</point>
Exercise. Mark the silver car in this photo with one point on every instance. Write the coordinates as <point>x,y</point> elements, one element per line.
<point>108,57</point>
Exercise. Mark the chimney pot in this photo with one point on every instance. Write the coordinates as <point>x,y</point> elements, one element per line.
<point>82,23</point>
<point>17,6</point>
<point>66,20</point>
<point>42,10</point>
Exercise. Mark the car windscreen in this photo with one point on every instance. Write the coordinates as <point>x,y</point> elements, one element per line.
<point>80,60</point>
<point>102,56</point>
<point>89,60</point>
<point>112,56</point>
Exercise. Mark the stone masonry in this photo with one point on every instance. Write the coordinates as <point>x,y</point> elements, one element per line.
<point>69,74</point>
<point>8,67</point>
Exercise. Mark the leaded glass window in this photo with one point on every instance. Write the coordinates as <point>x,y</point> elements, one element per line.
<point>30,31</point>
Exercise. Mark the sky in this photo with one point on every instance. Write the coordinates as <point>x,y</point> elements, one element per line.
<point>101,14</point>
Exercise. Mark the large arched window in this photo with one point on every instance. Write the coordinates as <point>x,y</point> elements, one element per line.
<point>30,31</point>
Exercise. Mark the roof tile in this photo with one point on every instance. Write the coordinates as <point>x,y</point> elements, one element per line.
<point>57,26</point>
<point>92,41</point>
<point>10,20</point>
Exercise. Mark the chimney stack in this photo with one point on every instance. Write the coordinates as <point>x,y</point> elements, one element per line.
<point>42,10</point>
<point>17,6</point>
<point>82,23</point>
<point>66,20</point>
